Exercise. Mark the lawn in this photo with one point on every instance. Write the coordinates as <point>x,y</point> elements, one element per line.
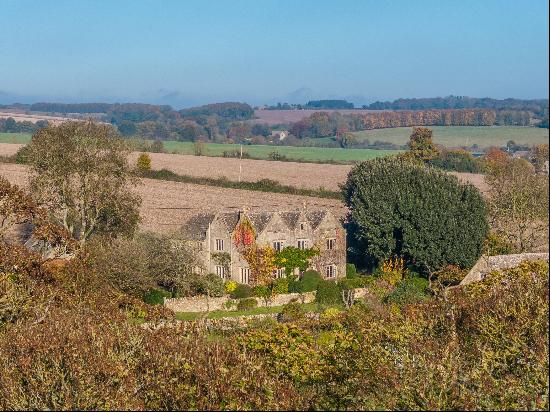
<point>217,314</point>
<point>456,136</point>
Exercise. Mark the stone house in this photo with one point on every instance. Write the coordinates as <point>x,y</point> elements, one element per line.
<point>212,235</point>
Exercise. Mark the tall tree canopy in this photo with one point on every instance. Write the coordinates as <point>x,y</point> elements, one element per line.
<point>80,170</point>
<point>400,208</point>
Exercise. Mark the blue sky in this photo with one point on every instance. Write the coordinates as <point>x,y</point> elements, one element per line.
<point>261,51</point>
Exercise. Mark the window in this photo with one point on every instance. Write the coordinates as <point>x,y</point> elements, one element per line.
<point>278,245</point>
<point>219,244</point>
<point>221,272</point>
<point>331,244</point>
<point>330,271</point>
<point>302,244</point>
<point>245,275</point>
<point>279,273</point>
<point>302,226</point>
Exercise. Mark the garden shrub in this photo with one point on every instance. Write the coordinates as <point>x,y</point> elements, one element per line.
<point>351,271</point>
<point>241,291</point>
<point>292,312</point>
<point>280,286</point>
<point>328,293</point>
<point>230,286</point>
<point>401,208</point>
<point>410,290</point>
<point>309,281</point>
<point>247,304</point>
<point>156,296</point>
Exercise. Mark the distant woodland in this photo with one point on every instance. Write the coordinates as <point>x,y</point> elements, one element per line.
<point>230,121</point>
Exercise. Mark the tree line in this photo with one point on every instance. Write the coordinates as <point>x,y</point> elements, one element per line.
<point>323,124</point>
<point>462,102</point>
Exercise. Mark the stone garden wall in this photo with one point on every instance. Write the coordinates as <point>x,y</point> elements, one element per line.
<point>201,304</point>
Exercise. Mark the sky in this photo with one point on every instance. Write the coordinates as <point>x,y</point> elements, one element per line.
<point>264,51</point>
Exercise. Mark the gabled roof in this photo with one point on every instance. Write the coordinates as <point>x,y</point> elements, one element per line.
<point>259,220</point>
<point>290,218</point>
<point>315,218</point>
<point>195,228</point>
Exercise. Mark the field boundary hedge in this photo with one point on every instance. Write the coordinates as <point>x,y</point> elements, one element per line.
<point>263,185</point>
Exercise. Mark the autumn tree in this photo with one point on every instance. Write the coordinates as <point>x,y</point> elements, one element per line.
<point>143,163</point>
<point>539,157</point>
<point>518,202</point>
<point>18,208</point>
<point>421,144</point>
<point>80,171</point>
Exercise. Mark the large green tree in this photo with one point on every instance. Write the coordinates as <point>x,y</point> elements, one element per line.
<point>80,171</point>
<point>400,208</point>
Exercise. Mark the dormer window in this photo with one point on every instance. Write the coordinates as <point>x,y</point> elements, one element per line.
<point>219,244</point>
<point>302,226</point>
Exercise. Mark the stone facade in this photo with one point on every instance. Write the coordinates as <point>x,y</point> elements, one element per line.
<point>212,235</point>
<point>488,264</point>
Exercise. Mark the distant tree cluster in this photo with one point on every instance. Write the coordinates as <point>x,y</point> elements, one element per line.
<point>10,125</point>
<point>323,124</point>
<point>328,104</point>
<point>462,102</point>
<point>228,110</point>
<point>71,107</point>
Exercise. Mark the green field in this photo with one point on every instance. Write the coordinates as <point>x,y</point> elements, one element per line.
<point>311,154</point>
<point>452,136</point>
<point>457,136</point>
<point>15,138</point>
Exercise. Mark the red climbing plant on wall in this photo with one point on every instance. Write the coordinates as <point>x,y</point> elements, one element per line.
<point>244,234</point>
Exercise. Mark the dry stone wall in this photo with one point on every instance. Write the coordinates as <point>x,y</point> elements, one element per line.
<point>200,303</point>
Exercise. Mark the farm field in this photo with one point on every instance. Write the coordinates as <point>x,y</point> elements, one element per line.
<point>167,205</point>
<point>20,138</point>
<point>456,136</point>
<point>311,154</point>
<point>302,175</point>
